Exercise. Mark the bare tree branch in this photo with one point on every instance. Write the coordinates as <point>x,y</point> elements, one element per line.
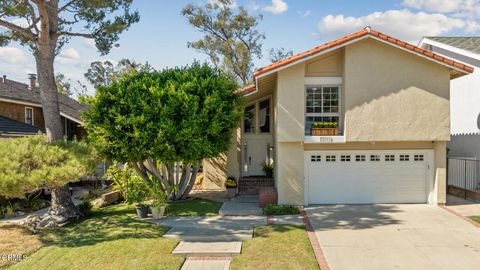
<point>75,34</point>
<point>23,31</point>
<point>67,5</point>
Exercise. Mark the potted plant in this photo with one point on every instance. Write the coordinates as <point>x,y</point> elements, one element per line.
<point>231,184</point>
<point>324,129</point>
<point>159,198</point>
<point>267,169</point>
<point>132,188</point>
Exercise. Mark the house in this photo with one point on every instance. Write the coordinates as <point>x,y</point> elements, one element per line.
<point>464,93</point>
<point>387,105</point>
<point>21,110</point>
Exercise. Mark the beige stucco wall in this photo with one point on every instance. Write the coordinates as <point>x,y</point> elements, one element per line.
<point>440,173</point>
<point>329,64</point>
<point>290,183</point>
<point>393,95</point>
<point>291,104</point>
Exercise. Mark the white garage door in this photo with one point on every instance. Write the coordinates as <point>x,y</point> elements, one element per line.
<point>356,177</point>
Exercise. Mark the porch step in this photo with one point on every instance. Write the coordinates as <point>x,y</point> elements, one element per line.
<point>192,234</point>
<point>252,185</point>
<point>208,249</point>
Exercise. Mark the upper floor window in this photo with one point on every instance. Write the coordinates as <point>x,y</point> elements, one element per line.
<point>322,105</point>
<point>29,115</point>
<point>249,119</point>
<point>257,117</point>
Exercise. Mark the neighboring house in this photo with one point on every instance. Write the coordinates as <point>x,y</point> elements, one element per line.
<point>390,101</point>
<point>464,93</point>
<point>21,107</point>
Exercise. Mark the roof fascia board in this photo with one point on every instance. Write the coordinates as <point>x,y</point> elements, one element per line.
<point>71,118</point>
<point>449,48</point>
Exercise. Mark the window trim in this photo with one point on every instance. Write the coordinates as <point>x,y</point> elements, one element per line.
<point>256,104</point>
<point>337,114</point>
<point>33,115</point>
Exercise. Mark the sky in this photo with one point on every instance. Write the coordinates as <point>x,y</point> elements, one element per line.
<point>161,36</point>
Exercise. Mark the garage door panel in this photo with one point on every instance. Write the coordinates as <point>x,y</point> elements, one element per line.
<point>383,181</point>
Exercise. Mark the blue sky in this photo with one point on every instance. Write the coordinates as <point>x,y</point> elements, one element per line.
<point>162,34</point>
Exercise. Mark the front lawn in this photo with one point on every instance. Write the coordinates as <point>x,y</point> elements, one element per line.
<point>109,239</point>
<point>277,247</point>
<point>194,207</point>
<point>475,218</point>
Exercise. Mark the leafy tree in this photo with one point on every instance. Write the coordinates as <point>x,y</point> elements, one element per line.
<point>63,85</point>
<point>36,164</point>
<point>279,54</point>
<point>231,39</point>
<point>45,27</point>
<point>165,123</point>
<point>103,73</point>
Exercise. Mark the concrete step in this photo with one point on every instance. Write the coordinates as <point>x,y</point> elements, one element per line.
<point>195,234</point>
<point>208,249</point>
<point>206,264</point>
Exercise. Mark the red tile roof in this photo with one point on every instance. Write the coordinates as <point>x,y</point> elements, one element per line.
<point>364,32</point>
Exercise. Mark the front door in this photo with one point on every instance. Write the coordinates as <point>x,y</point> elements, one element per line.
<point>256,152</point>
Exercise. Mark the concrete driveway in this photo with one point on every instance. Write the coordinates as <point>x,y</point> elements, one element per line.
<point>395,237</point>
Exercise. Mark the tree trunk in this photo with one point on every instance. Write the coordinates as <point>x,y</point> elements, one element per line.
<point>62,204</point>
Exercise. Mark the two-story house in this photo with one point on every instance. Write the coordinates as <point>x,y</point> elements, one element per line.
<point>21,110</point>
<point>362,119</point>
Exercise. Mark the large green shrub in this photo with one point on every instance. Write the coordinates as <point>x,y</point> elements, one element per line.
<point>30,163</point>
<point>163,121</point>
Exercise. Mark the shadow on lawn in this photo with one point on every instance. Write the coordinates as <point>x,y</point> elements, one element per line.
<point>107,224</point>
<point>265,231</point>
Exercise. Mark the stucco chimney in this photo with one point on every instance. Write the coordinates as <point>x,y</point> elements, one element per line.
<point>33,81</point>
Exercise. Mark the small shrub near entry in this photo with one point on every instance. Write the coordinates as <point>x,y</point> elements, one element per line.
<point>278,210</point>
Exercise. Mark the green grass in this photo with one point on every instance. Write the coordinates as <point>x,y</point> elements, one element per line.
<point>276,247</point>
<point>195,207</point>
<point>110,239</point>
<point>475,218</point>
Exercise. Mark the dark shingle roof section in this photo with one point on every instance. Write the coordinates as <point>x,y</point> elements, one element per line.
<point>13,127</point>
<point>471,44</point>
<point>20,92</point>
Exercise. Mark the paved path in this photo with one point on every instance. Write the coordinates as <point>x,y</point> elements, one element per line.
<point>20,219</point>
<point>463,207</point>
<point>395,237</point>
<point>241,206</point>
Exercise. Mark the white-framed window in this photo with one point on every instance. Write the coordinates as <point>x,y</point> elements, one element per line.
<point>360,158</point>
<point>374,157</point>
<point>404,157</point>
<point>389,157</point>
<point>315,158</point>
<point>418,157</point>
<point>331,158</point>
<point>29,116</point>
<point>345,158</point>
<point>322,104</point>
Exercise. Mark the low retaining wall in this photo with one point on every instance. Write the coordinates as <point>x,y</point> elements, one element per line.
<point>460,192</point>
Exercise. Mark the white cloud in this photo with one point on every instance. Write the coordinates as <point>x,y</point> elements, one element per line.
<point>442,6</point>
<point>90,43</point>
<point>12,55</point>
<point>403,24</point>
<point>277,7</point>
<point>68,56</point>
